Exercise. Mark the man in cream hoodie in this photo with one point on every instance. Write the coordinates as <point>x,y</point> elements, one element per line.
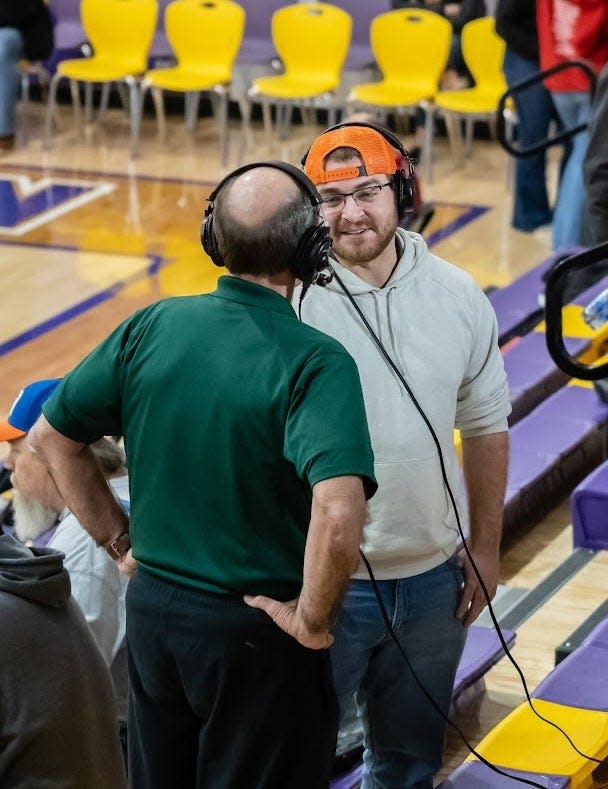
<point>440,331</point>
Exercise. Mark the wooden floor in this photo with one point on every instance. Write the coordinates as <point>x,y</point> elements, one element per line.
<point>93,236</point>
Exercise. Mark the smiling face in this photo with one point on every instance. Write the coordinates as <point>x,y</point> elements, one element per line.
<point>360,233</point>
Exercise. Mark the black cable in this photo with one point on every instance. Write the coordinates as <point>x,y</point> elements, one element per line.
<point>482,585</point>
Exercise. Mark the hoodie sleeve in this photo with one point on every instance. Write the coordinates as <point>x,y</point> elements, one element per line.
<point>483,397</point>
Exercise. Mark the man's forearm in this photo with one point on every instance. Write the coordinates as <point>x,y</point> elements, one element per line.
<point>485,463</point>
<point>338,514</point>
<point>81,483</point>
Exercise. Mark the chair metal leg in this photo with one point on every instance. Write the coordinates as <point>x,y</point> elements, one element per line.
<point>452,124</point>
<point>191,102</point>
<point>246,136</point>
<point>222,120</point>
<point>104,99</point>
<point>157,98</point>
<point>267,116</point>
<point>135,106</point>
<point>50,109</point>
<point>88,102</point>
<point>469,127</point>
<point>75,94</point>
<point>427,148</point>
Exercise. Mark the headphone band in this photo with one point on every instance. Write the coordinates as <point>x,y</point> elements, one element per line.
<point>296,174</point>
<point>312,249</point>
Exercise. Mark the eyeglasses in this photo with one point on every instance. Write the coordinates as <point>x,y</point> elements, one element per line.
<point>367,194</point>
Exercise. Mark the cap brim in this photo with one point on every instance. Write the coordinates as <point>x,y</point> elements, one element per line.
<point>8,432</point>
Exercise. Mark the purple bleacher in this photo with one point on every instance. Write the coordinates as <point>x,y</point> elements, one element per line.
<point>575,402</point>
<point>257,47</point>
<point>551,448</point>
<point>482,650</point>
<point>580,680</point>
<point>68,30</point>
<point>589,507</point>
<point>599,635</point>
<point>475,775</point>
<point>362,12</point>
<point>588,295</point>
<point>516,305</point>
<point>532,374</point>
<point>349,780</point>
<point>160,49</point>
<point>532,476</point>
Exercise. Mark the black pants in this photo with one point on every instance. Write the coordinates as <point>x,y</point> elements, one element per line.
<point>221,698</point>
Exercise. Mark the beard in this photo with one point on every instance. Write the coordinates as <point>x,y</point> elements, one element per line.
<point>31,519</point>
<point>355,250</point>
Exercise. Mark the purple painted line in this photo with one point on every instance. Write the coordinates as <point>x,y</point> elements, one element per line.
<point>156,263</point>
<point>472,212</point>
<point>52,172</point>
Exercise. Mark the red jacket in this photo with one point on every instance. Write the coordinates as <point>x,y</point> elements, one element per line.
<point>572,30</point>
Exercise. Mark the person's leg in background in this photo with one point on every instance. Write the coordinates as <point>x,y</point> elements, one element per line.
<point>574,108</point>
<point>535,111</point>
<point>11,49</point>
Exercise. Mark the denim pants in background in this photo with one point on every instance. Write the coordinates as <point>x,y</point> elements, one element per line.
<point>404,735</point>
<point>574,108</point>
<point>11,49</point>
<point>535,110</point>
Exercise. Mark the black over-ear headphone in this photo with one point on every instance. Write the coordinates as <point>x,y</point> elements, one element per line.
<point>311,254</point>
<point>404,183</point>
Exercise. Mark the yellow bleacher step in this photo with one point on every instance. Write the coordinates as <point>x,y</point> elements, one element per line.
<point>522,741</point>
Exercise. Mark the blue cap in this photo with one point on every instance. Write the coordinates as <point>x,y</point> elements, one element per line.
<point>26,409</point>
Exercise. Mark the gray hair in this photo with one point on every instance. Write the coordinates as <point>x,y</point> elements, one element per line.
<point>268,247</point>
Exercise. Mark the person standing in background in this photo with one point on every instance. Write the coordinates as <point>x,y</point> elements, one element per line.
<point>571,30</point>
<point>516,24</point>
<point>26,31</point>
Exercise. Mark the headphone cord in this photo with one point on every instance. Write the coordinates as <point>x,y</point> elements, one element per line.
<point>393,635</point>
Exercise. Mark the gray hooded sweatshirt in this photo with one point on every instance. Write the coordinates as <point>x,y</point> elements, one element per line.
<point>58,727</point>
<point>440,329</point>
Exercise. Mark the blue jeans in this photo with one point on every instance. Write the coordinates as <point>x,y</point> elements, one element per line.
<point>574,108</point>
<point>11,49</point>
<point>535,110</point>
<point>403,734</point>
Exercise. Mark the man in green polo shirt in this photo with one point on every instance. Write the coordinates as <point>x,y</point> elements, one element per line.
<point>249,463</point>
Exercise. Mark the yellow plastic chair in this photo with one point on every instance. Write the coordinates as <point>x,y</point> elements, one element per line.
<point>483,51</point>
<point>411,47</point>
<point>312,40</point>
<point>120,33</point>
<point>205,37</point>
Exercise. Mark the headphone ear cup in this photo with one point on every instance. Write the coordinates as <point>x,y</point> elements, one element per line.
<point>312,253</point>
<point>208,239</point>
<point>405,193</point>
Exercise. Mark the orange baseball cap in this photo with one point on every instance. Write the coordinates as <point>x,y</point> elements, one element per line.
<point>377,154</point>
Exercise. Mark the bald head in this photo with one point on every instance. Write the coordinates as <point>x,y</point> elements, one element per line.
<point>258,219</point>
<point>257,195</point>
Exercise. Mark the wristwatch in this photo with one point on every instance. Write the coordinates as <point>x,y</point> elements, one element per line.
<point>119,546</point>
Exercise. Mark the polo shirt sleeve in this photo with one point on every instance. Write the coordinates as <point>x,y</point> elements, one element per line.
<point>87,404</point>
<point>326,433</point>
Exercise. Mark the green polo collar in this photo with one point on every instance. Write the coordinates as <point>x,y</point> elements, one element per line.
<point>245,292</point>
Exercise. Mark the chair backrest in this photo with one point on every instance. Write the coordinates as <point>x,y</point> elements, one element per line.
<point>120,30</point>
<point>312,39</point>
<point>483,51</point>
<point>205,31</point>
<point>411,46</point>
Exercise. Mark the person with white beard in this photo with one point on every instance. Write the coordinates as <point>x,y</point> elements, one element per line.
<point>42,519</point>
